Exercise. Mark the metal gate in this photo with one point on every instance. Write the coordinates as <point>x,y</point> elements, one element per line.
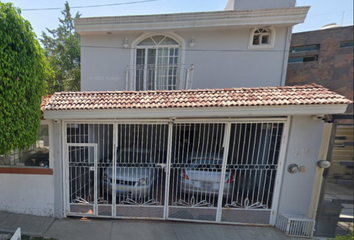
<point>215,172</point>
<point>82,178</point>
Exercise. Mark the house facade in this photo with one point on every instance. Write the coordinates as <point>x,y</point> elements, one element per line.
<point>187,50</point>
<point>186,117</point>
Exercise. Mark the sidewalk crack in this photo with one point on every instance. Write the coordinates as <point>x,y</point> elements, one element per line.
<point>174,231</point>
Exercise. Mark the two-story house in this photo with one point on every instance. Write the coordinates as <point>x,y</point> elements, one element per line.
<point>186,117</point>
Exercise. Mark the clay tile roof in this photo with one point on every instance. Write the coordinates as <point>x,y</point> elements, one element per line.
<point>44,102</point>
<point>228,97</point>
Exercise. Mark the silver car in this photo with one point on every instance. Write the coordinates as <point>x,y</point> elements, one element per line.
<point>202,175</point>
<point>134,174</point>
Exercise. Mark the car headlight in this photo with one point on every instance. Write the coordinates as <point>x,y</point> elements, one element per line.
<point>143,181</point>
<point>105,177</point>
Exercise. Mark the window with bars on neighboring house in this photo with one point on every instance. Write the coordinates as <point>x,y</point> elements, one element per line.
<point>305,48</point>
<point>345,44</point>
<point>302,59</point>
<point>35,156</point>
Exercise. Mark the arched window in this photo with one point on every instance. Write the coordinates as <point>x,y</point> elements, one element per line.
<point>157,64</point>
<point>262,37</point>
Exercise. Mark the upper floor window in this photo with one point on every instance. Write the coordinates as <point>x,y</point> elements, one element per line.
<point>346,44</point>
<point>303,59</point>
<point>157,64</point>
<point>305,48</point>
<point>262,37</point>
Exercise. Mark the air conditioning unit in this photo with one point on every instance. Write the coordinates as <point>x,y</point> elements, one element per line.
<point>296,225</point>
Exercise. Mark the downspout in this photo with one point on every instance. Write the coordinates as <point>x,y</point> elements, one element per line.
<point>286,56</point>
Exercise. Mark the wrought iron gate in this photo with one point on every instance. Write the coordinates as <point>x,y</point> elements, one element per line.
<point>216,172</point>
<point>140,170</point>
<point>82,159</point>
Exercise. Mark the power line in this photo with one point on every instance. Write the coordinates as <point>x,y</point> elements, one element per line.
<point>89,6</point>
<point>349,10</point>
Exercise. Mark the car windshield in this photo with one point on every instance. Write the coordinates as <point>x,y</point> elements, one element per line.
<point>133,157</point>
<point>205,164</point>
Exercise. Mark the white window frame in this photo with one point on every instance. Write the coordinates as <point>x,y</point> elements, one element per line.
<point>269,45</point>
<point>134,46</point>
<point>157,48</point>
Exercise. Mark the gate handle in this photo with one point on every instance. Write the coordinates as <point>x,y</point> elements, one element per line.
<point>161,165</point>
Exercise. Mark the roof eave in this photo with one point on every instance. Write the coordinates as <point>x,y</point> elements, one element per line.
<point>284,110</point>
<point>280,16</point>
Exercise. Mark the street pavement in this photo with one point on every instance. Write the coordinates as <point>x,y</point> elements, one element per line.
<point>118,229</point>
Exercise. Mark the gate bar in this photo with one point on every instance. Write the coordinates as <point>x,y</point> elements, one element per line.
<point>114,170</point>
<point>168,169</point>
<point>223,170</point>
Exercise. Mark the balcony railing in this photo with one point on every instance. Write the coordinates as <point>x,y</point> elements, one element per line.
<point>159,77</point>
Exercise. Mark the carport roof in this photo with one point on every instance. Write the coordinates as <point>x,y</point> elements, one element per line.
<point>44,102</point>
<point>200,98</point>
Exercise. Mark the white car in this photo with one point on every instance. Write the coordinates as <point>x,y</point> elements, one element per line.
<point>202,175</point>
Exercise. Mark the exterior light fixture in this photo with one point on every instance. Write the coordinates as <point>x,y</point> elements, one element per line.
<point>323,164</point>
<point>293,168</point>
<point>191,42</point>
<point>126,43</point>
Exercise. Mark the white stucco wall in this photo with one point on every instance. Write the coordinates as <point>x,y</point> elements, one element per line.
<point>221,57</point>
<point>28,194</point>
<point>303,149</point>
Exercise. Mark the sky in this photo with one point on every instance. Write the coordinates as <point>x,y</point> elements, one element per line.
<point>322,12</point>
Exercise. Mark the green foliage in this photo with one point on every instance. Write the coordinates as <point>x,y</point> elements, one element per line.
<point>62,50</point>
<point>349,236</point>
<point>23,71</point>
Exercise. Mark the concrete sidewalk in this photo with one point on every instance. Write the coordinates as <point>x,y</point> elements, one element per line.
<point>30,225</point>
<point>115,229</point>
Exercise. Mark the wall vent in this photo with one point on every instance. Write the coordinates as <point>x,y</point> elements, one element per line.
<point>296,225</point>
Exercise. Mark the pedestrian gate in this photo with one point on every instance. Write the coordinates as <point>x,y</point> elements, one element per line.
<point>209,171</point>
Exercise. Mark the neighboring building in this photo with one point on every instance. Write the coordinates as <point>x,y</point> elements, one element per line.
<point>146,139</point>
<point>325,57</point>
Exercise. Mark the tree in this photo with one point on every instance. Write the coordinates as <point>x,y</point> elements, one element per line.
<point>62,51</point>
<point>23,71</point>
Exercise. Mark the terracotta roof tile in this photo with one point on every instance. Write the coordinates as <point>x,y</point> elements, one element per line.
<point>44,102</point>
<point>228,97</point>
